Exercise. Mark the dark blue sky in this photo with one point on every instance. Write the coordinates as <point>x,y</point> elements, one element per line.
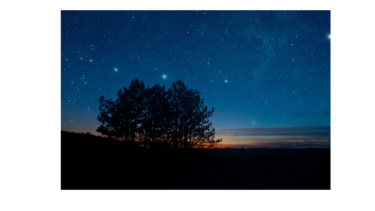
<point>263,71</point>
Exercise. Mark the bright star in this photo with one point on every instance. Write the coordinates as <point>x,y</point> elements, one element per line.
<point>226,81</point>
<point>115,69</point>
<point>329,36</point>
<point>164,76</point>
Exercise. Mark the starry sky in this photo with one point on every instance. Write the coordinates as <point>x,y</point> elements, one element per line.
<point>266,73</point>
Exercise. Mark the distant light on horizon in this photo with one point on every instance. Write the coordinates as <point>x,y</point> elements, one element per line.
<point>279,68</point>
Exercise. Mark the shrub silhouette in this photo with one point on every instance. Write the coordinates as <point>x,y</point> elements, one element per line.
<point>153,117</point>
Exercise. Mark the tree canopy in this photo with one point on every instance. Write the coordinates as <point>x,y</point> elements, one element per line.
<point>154,117</point>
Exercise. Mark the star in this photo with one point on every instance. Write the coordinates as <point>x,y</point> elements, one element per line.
<point>164,76</point>
<point>329,36</point>
<point>115,69</point>
<point>226,81</point>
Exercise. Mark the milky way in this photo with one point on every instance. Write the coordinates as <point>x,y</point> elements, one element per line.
<point>258,69</point>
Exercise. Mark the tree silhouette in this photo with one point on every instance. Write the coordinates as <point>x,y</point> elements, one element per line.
<point>154,117</point>
<point>107,117</point>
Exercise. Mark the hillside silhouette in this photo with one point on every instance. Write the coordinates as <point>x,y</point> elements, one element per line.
<point>91,162</point>
<point>154,138</point>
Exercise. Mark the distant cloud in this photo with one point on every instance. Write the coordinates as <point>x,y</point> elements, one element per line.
<point>278,144</point>
<point>279,133</point>
<point>275,137</point>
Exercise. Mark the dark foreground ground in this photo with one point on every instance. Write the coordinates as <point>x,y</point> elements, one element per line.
<point>99,164</point>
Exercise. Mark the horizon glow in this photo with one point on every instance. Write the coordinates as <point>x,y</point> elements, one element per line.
<point>258,69</point>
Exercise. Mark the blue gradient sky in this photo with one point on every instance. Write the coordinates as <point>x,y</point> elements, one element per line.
<point>263,71</point>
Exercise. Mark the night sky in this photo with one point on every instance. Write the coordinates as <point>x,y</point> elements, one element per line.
<point>266,73</point>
